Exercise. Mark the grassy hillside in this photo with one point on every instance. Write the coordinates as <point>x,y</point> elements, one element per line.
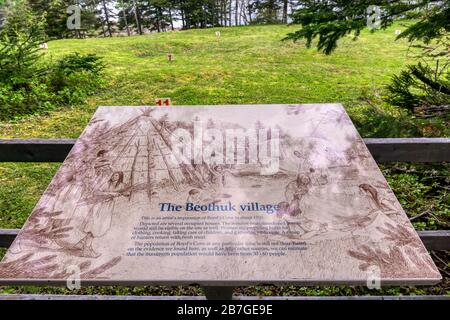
<point>248,65</point>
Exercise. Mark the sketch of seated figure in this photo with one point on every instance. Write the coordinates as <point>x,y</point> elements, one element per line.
<point>194,197</point>
<point>376,207</point>
<point>100,216</point>
<point>299,224</point>
<point>199,197</point>
<point>376,200</point>
<point>294,193</point>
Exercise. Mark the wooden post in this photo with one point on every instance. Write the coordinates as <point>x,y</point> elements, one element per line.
<point>218,293</point>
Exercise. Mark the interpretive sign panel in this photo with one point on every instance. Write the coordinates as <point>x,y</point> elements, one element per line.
<point>219,195</point>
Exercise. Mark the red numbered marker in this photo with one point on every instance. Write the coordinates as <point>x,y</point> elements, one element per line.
<point>163,102</point>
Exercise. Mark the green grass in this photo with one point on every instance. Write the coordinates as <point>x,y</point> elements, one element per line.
<point>248,65</point>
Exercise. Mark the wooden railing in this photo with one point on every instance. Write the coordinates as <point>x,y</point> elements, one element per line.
<point>416,150</point>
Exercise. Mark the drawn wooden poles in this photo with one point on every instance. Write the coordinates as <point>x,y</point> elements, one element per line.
<point>188,172</point>
<point>160,132</point>
<point>151,166</point>
<point>151,139</point>
<point>133,168</point>
<point>172,177</point>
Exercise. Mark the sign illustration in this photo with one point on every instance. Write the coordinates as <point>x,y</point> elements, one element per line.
<point>219,195</point>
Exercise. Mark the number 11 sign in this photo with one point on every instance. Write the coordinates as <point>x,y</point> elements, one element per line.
<point>163,102</point>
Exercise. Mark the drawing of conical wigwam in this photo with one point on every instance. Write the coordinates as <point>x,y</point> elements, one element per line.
<point>141,149</point>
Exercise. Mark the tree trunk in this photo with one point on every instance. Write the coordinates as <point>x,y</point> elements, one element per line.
<point>229,11</point>
<point>183,21</point>
<point>236,13</point>
<point>171,19</point>
<point>242,13</point>
<point>103,28</point>
<point>125,18</point>
<point>285,11</point>
<point>137,18</point>
<point>158,19</point>
<point>224,13</point>
<point>108,24</point>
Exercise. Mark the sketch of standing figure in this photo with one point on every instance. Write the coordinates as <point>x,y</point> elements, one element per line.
<point>99,219</point>
<point>376,200</point>
<point>102,166</point>
<point>296,189</point>
<point>294,193</point>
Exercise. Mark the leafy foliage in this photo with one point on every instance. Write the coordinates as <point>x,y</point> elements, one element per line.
<point>54,13</point>
<point>423,192</point>
<point>69,81</point>
<point>331,20</point>
<point>20,38</point>
<point>419,86</point>
<point>267,11</point>
<point>28,85</point>
<point>375,121</point>
<point>74,65</point>
<point>256,68</point>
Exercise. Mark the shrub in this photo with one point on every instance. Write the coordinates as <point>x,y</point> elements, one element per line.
<point>63,83</point>
<point>74,69</point>
<point>420,87</point>
<point>15,102</point>
<point>20,38</point>
<point>27,84</point>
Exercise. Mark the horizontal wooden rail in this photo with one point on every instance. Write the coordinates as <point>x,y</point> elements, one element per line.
<point>7,237</point>
<point>259,298</point>
<point>420,150</point>
<point>436,240</point>
<point>433,240</point>
<point>423,150</point>
<point>35,150</point>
